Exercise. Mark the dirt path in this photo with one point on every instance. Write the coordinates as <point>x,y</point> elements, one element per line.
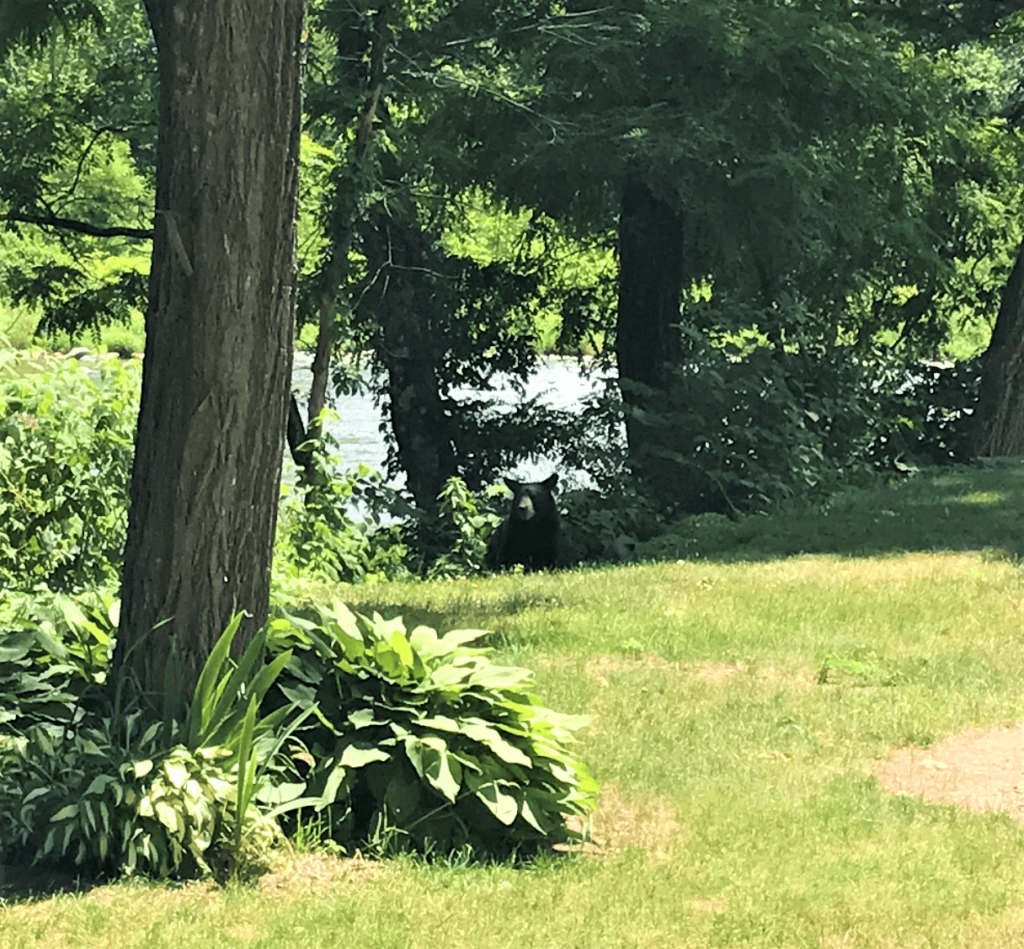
<point>980,770</point>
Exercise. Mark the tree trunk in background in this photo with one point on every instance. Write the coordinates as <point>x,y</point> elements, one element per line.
<point>400,298</point>
<point>219,329</point>
<point>652,275</point>
<point>998,424</point>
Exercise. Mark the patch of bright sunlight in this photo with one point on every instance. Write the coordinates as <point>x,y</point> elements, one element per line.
<point>982,497</point>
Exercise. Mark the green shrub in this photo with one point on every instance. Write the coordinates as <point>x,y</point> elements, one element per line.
<point>112,799</point>
<point>66,442</point>
<point>318,535</point>
<point>462,529</point>
<point>116,792</point>
<point>52,651</point>
<point>422,743</point>
<point>399,740</point>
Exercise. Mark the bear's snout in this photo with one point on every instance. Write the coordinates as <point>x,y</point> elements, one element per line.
<point>524,509</point>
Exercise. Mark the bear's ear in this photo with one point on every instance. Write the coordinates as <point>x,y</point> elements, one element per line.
<point>550,483</point>
<point>512,485</point>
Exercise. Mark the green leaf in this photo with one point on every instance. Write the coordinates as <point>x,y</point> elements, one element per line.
<point>481,732</point>
<point>66,812</point>
<point>176,772</point>
<point>503,806</point>
<point>399,643</point>
<point>363,718</point>
<point>430,758</point>
<point>451,641</point>
<point>359,754</point>
<point>204,698</point>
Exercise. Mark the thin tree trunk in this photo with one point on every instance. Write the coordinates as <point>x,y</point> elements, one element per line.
<point>651,277</point>
<point>219,330</point>
<point>998,425</point>
<point>337,266</point>
<point>401,300</point>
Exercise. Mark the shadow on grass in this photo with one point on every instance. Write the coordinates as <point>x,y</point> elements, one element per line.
<point>976,508</point>
<point>28,884</point>
<point>953,509</point>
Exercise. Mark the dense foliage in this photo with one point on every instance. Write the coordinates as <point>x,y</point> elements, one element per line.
<point>66,436</point>
<point>421,742</point>
<point>403,739</point>
<point>845,180</point>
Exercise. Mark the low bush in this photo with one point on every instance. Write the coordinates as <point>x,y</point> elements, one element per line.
<point>97,779</point>
<point>112,798</point>
<point>422,743</point>
<point>400,740</point>
<point>54,651</point>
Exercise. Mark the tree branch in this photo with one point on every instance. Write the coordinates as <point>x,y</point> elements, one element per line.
<point>80,227</point>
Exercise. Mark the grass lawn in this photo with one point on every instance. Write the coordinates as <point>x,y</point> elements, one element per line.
<point>740,703</point>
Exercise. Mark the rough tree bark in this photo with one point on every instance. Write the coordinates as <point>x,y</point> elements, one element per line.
<point>998,424</point>
<point>219,329</point>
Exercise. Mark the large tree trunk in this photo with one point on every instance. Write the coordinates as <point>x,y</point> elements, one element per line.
<point>998,425</point>
<point>400,296</point>
<point>219,329</point>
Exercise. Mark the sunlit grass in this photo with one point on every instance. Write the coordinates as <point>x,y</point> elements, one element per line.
<point>18,329</point>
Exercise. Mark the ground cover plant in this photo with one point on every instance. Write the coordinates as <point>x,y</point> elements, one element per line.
<point>739,709</point>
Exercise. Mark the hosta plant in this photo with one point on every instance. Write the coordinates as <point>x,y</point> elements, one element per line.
<point>422,742</point>
<point>53,651</point>
<point>83,783</point>
<point>113,799</point>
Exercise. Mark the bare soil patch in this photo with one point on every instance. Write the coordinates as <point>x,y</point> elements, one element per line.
<point>307,874</point>
<point>619,825</point>
<point>980,770</point>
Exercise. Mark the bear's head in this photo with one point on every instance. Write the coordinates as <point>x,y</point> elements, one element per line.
<point>532,499</point>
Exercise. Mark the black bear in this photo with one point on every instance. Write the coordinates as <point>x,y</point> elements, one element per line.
<point>531,535</point>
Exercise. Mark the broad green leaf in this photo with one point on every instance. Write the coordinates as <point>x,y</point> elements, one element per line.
<point>500,677</point>
<point>177,773</point>
<point>358,755</point>
<point>431,760</point>
<point>527,811</point>
<point>502,805</point>
<point>280,793</point>
<point>490,737</point>
<point>455,638</point>
<point>440,722</point>
<point>399,643</point>
<point>363,718</point>
<point>169,816</point>
<point>423,639</point>
<point>99,783</point>
<point>66,812</point>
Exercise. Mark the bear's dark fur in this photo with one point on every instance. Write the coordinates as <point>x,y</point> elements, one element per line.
<point>531,535</point>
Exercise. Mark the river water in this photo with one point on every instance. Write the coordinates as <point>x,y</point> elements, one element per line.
<point>559,383</point>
